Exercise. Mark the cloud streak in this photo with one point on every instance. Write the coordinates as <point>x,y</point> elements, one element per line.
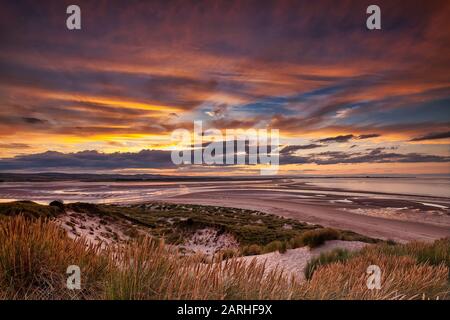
<point>433,136</point>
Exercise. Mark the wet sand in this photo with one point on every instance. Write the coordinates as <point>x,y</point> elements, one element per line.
<point>322,214</point>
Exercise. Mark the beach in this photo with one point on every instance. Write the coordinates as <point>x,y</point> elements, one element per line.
<point>413,215</point>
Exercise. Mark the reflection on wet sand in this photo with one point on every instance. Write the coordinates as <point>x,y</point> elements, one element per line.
<point>415,214</point>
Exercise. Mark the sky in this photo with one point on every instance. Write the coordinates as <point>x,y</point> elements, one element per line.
<point>106,98</point>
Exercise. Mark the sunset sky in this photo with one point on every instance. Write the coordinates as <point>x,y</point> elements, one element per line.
<point>106,98</point>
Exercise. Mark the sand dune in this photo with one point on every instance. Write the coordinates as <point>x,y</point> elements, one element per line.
<point>325,215</point>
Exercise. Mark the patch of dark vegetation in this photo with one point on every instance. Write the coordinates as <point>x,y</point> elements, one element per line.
<point>108,212</point>
<point>251,250</point>
<point>58,204</point>
<point>82,207</point>
<point>228,253</point>
<point>336,255</point>
<point>28,209</point>
<point>316,238</point>
<point>280,246</point>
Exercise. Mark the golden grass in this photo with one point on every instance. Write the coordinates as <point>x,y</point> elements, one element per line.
<point>149,270</point>
<point>34,255</point>
<point>402,278</point>
<point>434,253</point>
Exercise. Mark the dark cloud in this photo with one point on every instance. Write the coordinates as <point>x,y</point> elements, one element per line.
<point>159,159</point>
<point>374,156</point>
<point>348,137</point>
<point>368,136</point>
<point>88,160</point>
<point>433,136</point>
<point>31,120</point>
<point>374,151</point>
<point>94,160</point>
<point>293,148</point>
<point>339,139</point>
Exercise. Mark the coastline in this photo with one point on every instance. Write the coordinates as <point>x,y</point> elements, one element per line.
<point>394,216</point>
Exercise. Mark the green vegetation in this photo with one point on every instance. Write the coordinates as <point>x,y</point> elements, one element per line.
<point>435,253</point>
<point>276,245</point>
<point>174,222</point>
<point>228,253</point>
<point>252,250</point>
<point>315,238</point>
<point>335,255</point>
<point>256,232</point>
<point>28,209</point>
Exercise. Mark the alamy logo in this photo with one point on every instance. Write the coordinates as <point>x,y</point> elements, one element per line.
<point>373,22</point>
<point>374,280</point>
<point>74,279</point>
<point>73,22</point>
<point>235,147</point>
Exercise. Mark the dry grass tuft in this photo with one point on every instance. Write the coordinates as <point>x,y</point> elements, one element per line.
<point>324,258</point>
<point>435,253</point>
<point>34,256</point>
<point>402,278</point>
<point>316,238</point>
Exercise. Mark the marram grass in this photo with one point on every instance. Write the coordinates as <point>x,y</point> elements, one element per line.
<point>35,253</point>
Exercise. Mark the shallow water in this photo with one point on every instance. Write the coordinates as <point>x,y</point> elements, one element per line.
<point>435,187</point>
<point>125,192</point>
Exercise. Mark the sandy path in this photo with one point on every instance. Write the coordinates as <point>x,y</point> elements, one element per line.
<point>325,215</point>
<point>294,261</point>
